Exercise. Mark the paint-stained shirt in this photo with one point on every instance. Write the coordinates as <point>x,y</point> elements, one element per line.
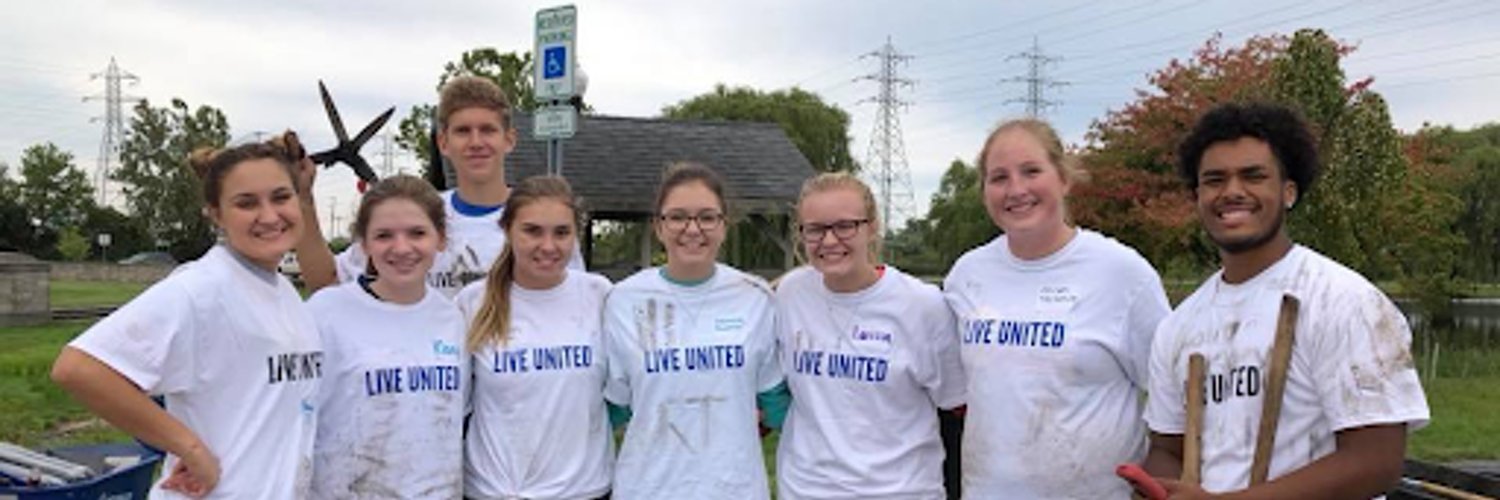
<point>539,428</point>
<point>689,360</point>
<point>1056,351</point>
<point>392,400</point>
<point>234,353</point>
<point>867,370</point>
<point>1351,365</point>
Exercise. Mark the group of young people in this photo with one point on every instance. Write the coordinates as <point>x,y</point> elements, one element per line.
<point>458,349</point>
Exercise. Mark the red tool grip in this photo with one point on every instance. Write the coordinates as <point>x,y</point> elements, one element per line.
<point>1143,482</point>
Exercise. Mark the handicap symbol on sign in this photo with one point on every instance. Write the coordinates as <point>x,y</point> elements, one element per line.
<point>556,60</point>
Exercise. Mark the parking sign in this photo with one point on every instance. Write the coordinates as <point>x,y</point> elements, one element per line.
<point>556,63</point>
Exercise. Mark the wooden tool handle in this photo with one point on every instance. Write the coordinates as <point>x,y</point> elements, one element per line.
<point>1443,491</point>
<point>1192,440</point>
<point>1281,360</point>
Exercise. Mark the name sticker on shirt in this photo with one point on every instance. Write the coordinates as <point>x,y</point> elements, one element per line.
<point>1055,299</point>
<point>728,324</point>
<point>871,340</point>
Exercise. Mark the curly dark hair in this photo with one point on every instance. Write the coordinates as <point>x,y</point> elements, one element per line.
<point>1282,128</point>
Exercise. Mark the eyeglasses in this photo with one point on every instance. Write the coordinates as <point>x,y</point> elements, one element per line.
<point>678,221</point>
<point>842,230</point>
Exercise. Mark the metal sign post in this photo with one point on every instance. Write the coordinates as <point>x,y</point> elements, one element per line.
<point>555,80</point>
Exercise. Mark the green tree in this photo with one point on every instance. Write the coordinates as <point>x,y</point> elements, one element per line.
<point>160,186</point>
<point>127,234</point>
<point>957,216</point>
<point>72,244</point>
<point>909,250</point>
<point>1480,221</point>
<point>510,70</point>
<point>53,190</point>
<point>1473,157</point>
<point>15,225</point>
<point>818,129</point>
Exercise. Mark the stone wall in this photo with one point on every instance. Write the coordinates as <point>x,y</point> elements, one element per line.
<point>100,271</point>
<point>24,290</point>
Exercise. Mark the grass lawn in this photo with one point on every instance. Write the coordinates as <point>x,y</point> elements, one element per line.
<point>1464,423</point>
<point>33,411</point>
<point>73,294</point>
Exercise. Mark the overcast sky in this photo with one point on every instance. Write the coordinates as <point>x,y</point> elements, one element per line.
<point>1435,61</point>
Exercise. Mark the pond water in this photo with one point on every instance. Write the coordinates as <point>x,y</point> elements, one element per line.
<point>1468,347</point>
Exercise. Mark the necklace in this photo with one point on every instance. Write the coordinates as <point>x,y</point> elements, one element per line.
<point>848,305</point>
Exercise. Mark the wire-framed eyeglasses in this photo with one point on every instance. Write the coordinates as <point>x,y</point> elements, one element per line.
<point>842,229</point>
<point>678,221</point>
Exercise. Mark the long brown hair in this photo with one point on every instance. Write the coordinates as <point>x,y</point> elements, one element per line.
<point>491,325</point>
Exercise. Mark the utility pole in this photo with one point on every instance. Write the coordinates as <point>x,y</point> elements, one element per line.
<point>1036,80</point>
<point>333,217</point>
<point>885,162</point>
<point>114,123</point>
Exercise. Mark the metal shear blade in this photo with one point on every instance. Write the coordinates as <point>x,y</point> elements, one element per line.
<point>347,151</point>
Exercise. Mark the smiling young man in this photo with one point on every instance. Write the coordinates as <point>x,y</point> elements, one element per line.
<point>475,134</point>
<point>1351,394</point>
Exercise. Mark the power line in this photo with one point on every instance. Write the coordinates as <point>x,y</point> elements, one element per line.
<point>1036,80</point>
<point>1029,30</point>
<point>887,153</point>
<point>114,123</point>
<point>1030,21</point>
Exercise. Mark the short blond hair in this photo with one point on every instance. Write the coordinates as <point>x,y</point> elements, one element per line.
<point>469,91</point>
<point>833,181</point>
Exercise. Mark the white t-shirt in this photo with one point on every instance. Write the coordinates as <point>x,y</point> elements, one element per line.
<point>235,354</point>
<point>474,242</point>
<point>539,428</point>
<point>1351,365</point>
<point>391,409</point>
<point>867,371</point>
<point>689,361</point>
<point>1056,351</point>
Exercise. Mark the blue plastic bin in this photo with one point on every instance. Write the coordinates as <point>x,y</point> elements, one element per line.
<point>124,484</point>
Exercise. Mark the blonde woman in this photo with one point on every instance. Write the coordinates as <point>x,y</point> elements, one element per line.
<point>871,354</point>
<point>1056,323</point>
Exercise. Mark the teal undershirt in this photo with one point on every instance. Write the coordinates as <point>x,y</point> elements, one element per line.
<point>773,404</point>
<point>688,283</point>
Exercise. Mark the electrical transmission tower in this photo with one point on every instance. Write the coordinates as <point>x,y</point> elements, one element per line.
<point>885,164</point>
<point>387,153</point>
<point>114,122</point>
<point>1036,80</point>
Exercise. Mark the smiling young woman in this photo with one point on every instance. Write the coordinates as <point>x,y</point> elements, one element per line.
<point>1055,324</point>
<point>540,427</point>
<point>691,346</point>
<point>394,371</point>
<point>871,355</point>
<point>225,340</point>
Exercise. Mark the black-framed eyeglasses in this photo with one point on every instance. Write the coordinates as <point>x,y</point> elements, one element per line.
<point>678,221</point>
<point>843,229</point>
